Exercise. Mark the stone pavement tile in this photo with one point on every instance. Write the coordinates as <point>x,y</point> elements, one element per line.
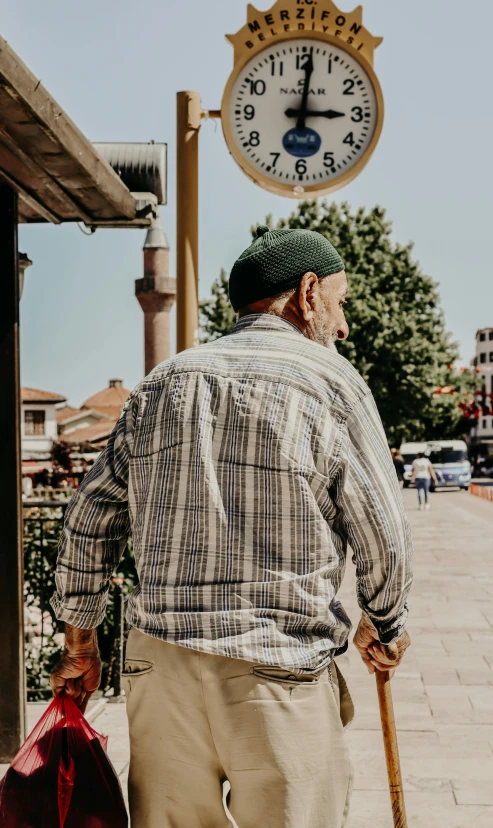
<point>447,767</point>
<point>425,642</point>
<point>464,659</point>
<point>481,698</point>
<point>475,676</point>
<point>440,677</point>
<point>484,818</point>
<point>454,615</point>
<point>453,715</point>
<point>472,792</point>
<point>466,736</point>
<point>424,810</point>
<point>481,646</point>
<point>371,775</point>
<point>409,716</point>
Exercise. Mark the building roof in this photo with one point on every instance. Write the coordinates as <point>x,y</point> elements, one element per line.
<point>110,399</point>
<point>36,395</point>
<point>56,170</point>
<point>91,434</point>
<point>65,413</point>
<point>74,414</point>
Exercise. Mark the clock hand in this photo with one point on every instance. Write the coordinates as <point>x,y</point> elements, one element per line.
<point>310,113</point>
<point>308,68</point>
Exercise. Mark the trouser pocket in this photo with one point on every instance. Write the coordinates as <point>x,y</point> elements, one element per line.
<point>133,671</point>
<point>283,676</point>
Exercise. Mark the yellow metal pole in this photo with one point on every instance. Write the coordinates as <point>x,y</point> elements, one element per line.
<point>188,112</point>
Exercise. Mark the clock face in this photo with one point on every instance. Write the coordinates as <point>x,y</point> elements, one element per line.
<point>301,114</point>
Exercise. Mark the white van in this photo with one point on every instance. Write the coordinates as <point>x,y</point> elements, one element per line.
<point>451,462</point>
<point>448,457</point>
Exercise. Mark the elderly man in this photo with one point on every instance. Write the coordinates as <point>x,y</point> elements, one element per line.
<point>243,470</point>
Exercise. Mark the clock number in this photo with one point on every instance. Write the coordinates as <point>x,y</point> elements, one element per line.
<point>300,166</point>
<point>276,156</point>
<point>348,86</point>
<point>330,66</point>
<point>273,67</point>
<point>358,114</point>
<point>329,160</point>
<point>249,112</point>
<point>349,139</point>
<point>302,60</point>
<point>254,140</point>
<point>257,87</point>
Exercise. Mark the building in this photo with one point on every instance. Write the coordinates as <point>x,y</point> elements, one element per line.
<point>38,428</point>
<point>45,420</point>
<point>483,360</point>
<point>89,426</point>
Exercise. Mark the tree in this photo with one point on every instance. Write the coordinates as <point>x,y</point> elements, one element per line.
<point>398,340</point>
<point>61,457</point>
<point>217,316</point>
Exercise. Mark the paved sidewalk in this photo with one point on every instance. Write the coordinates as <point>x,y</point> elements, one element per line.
<point>443,693</point>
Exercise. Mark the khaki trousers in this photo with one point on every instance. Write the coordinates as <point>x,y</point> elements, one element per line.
<point>199,720</point>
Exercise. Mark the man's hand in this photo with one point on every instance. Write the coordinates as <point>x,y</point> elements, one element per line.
<point>377,656</point>
<point>79,669</point>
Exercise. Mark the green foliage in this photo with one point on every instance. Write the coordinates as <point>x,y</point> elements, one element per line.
<point>397,339</point>
<point>44,637</point>
<point>217,317</point>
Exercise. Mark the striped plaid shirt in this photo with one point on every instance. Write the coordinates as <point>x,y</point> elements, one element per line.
<point>243,468</point>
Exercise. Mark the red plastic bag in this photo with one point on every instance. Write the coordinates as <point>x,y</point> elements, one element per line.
<point>62,777</point>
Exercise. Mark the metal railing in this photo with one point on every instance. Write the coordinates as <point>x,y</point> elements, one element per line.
<point>43,522</point>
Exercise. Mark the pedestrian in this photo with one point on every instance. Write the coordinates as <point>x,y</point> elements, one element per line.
<point>398,461</point>
<point>243,468</point>
<point>422,475</point>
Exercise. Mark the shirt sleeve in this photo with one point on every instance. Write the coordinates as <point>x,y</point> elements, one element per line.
<point>95,532</point>
<point>372,520</point>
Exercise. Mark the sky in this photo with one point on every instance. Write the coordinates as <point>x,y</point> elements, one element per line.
<point>115,67</point>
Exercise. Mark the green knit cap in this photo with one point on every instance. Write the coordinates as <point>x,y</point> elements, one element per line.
<point>276,260</point>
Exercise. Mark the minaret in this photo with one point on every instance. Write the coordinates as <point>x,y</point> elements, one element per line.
<point>156,293</point>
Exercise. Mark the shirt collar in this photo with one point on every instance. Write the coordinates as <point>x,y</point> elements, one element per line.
<point>265,322</point>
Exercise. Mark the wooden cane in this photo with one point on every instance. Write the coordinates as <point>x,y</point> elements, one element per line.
<point>391,749</point>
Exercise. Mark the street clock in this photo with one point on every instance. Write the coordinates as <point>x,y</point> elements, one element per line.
<point>302,110</point>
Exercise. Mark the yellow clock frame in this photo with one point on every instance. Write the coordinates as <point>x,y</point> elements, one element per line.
<point>287,190</point>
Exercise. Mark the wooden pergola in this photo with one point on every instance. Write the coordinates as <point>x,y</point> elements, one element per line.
<point>49,172</point>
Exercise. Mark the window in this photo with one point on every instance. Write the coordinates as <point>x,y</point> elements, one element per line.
<point>491,356</point>
<point>482,337</point>
<point>484,423</point>
<point>492,383</point>
<point>447,455</point>
<point>34,422</point>
<point>482,357</point>
<point>490,335</point>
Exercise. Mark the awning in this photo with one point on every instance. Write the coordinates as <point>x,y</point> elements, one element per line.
<point>54,168</point>
<point>36,466</point>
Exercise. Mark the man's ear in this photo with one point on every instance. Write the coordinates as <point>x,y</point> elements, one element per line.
<point>307,293</point>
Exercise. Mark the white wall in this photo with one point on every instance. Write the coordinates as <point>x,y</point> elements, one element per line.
<point>38,442</point>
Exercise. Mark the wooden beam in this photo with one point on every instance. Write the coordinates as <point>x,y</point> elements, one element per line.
<point>12,673</point>
<point>36,182</point>
<point>59,129</point>
<point>36,206</point>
